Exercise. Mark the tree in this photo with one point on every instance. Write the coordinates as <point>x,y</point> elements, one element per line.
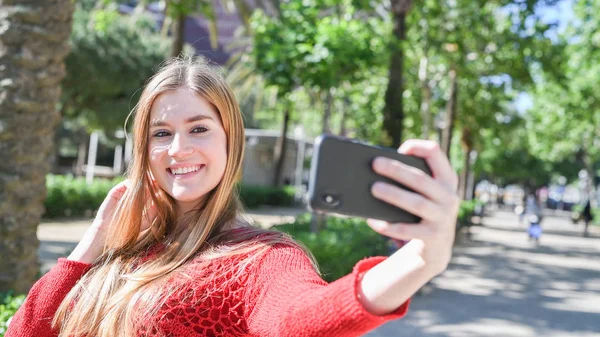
<point>176,12</point>
<point>119,52</point>
<point>315,45</point>
<point>280,47</point>
<point>564,118</point>
<point>33,46</point>
<point>393,112</point>
<point>486,53</point>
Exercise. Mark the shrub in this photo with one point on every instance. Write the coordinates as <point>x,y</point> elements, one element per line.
<point>8,306</point>
<point>466,210</point>
<point>70,196</point>
<point>340,245</point>
<point>254,196</point>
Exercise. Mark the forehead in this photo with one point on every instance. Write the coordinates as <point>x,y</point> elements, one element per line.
<point>179,105</point>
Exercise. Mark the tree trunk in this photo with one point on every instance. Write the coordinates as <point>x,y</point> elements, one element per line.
<point>33,46</point>
<point>450,114</point>
<point>281,146</point>
<point>591,188</point>
<point>81,155</point>
<point>467,146</point>
<point>425,100</point>
<point>344,116</point>
<point>393,112</point>
<point>326,128</point>
<point>178,35</point>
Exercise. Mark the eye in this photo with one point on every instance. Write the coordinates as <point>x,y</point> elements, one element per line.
<point>199,129</point>
<point>160,134</point>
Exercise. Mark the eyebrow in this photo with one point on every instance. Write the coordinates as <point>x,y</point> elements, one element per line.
<point>155,123</point>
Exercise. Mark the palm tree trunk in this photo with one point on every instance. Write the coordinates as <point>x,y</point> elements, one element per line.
<point>450,114</point>
<point>281,145</point>
<point>33,46</point>
<point>393,112</point>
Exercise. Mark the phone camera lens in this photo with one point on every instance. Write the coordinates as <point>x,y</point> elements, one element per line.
<point>331,200</point>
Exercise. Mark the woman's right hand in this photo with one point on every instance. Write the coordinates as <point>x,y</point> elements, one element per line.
<point>92,244</point>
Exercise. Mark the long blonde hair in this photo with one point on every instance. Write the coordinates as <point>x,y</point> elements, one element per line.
<point>120,282</point>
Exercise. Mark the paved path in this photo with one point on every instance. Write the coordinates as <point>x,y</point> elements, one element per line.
<point>501,285</point>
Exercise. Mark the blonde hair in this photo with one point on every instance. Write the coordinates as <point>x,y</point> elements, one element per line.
<point>120,282</point>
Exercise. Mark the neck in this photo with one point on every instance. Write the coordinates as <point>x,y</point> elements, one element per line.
<point>185,207</point>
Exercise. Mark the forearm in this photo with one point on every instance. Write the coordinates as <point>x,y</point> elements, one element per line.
<point>392,282</point>
<point>88,249</point>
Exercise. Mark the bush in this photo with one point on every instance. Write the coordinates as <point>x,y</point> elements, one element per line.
<point>70,196</point>
<point>340,245</point>
<point>467,209</point>
<point>254,196</point>
<point>8,306</point>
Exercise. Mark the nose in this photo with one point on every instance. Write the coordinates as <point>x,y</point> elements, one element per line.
<point>180,146</point>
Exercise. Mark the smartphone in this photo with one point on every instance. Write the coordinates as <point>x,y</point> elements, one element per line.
<point>341,176</point>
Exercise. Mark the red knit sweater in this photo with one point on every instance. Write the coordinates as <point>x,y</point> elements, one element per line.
<point>281,295</point>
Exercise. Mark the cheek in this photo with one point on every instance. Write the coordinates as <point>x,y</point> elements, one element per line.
<point>155,155</point>
<point>221,153</point>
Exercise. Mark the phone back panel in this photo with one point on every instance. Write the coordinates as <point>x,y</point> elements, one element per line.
<point>341,177</point>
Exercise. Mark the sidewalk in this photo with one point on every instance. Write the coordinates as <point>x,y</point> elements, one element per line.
<point>500,284</point>
<point>59,237</point>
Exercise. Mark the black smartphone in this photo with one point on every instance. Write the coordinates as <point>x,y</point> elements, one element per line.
<point>341,176</point>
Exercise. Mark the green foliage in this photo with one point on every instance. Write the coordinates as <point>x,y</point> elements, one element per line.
<point>304,47</point>
<point>340,245</point>
<point>466,211</point>
<point>9,304</point>
<point>254,196</point>
<point>111,58</point>
<point>70,196</point>
<point>564,119</point>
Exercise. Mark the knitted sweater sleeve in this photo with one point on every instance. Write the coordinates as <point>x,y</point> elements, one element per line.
<point>286,297</point>
<point>35,316</point>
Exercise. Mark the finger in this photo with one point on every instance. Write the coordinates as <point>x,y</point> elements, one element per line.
<point>406,200</point>
<point>402,231</point>
<point>119,189</point>
<point>411,177</point>
<point>438,161</point>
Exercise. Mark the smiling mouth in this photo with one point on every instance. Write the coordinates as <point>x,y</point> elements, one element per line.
<point>185,171</point>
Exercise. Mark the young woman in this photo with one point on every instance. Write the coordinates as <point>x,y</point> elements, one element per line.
<point>170,254</point>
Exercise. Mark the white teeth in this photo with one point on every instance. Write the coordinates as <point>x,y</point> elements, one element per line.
<point>184,170</point>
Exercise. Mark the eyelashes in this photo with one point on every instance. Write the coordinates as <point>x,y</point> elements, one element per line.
<point>165,133</point>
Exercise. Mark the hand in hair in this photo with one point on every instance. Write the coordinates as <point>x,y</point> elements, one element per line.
<point>92,244</point>
<point>385,287</point>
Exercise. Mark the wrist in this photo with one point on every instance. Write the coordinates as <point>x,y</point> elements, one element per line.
<point>89,248</point>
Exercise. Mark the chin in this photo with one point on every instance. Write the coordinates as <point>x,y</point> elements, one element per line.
<point>189,195</point>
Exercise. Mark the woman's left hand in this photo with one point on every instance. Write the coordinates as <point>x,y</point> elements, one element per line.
<point>434,200</point>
